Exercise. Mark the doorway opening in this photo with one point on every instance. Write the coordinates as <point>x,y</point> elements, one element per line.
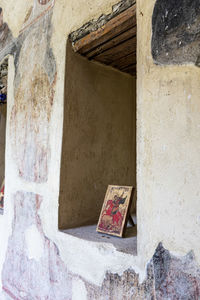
<point>99,132</point>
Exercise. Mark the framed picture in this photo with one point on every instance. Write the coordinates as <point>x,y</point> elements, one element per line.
<point>115,210</point>
<point>2,198</point>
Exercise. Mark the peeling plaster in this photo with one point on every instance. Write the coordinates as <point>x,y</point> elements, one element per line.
<point>55,282</point>
<point>78,290</point>
<point>101,273</point>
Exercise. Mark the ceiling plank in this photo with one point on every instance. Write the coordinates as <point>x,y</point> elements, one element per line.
<point>124,61</point>
<point>117,52</point>
<point>132,72</point>
<point>114,27</point>
<point>131,69</point>
<point>113,42</point>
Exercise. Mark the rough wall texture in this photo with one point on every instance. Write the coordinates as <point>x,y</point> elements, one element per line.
<point>3,76</point>
<point>30,136</point>
<point>168,131</point>
<point>167,277</point>
<point>3,113</point>
<point>3,109</point>
<point>175,278</point>
<point>2,145</point>
<point>176,32</point>
<point>37,261</point>
<point>33,268</point>
<point>98,138</point>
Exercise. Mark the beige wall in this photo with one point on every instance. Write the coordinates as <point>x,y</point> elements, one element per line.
<point>98,138</point>
<point>168,149</point>
<point>168,171</point>
<point>79,256</point>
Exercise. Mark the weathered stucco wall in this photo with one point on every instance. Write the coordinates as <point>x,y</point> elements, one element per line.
<point>38,261</point>
<point>3,110</point>
<point>98,138</point>
<point>2,141</point>
<point>168,138</point>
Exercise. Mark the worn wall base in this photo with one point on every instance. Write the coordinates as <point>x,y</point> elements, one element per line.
<point>33,268</point>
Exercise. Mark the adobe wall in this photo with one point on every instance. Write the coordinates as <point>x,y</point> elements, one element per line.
<point>36,260</point>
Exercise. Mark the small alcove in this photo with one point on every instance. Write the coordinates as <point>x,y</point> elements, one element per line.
<point>99,130</point>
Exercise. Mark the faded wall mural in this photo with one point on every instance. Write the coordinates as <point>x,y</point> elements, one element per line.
<point>42,274</point>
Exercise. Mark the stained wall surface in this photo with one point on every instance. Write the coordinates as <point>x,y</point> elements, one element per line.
<point>2,141</point>
<point>37,261</point>
<point>98,138</point>
<point>168,131</point>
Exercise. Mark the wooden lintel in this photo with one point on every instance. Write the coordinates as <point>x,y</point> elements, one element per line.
<point>132,66</point>
<point>117,52</point>
<point>112,28</point>
<point>131,33</point>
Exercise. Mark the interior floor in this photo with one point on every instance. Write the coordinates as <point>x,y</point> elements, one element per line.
<point>128,244</point>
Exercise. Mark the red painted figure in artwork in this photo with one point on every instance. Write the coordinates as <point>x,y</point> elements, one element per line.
<point>112,209</point>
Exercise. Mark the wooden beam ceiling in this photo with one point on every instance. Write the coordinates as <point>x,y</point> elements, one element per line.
<point>114,43</point>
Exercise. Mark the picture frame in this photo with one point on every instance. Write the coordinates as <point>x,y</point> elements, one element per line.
<point>115,210</point>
